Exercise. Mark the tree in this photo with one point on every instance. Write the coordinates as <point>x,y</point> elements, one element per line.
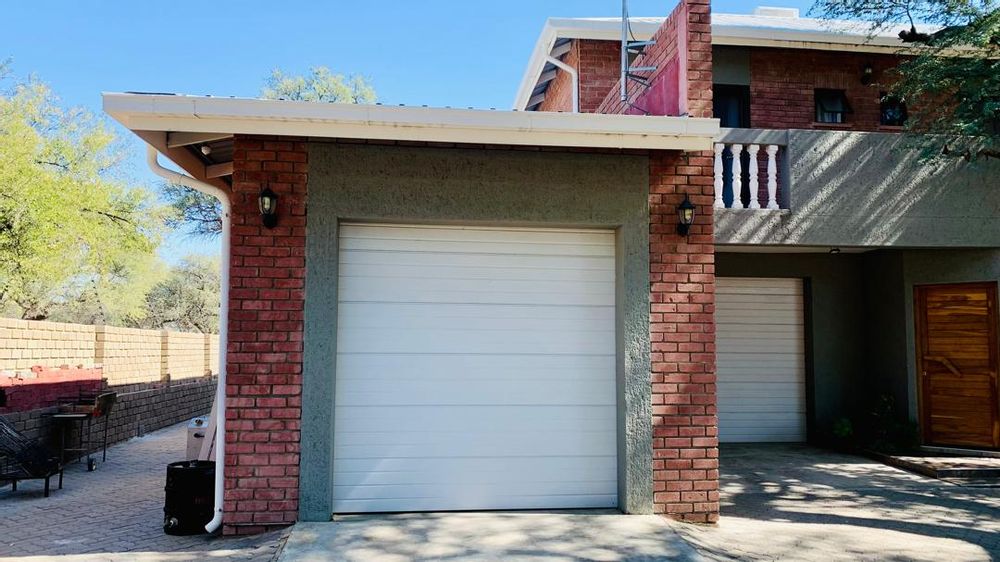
<point>69,229</point>
<point>187,300</point>
<point>200,212</point>
<point>950,79</point>
<point>320,85</point>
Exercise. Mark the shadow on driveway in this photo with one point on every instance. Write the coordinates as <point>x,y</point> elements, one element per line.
<point>483,536</point>
<point>795,502</point>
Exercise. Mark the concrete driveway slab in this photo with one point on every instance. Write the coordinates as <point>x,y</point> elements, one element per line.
<point>496,536</point>
<point>794,502</point>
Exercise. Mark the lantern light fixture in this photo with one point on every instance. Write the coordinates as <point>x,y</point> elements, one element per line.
<point>685,216</point>
<point>268,203</point>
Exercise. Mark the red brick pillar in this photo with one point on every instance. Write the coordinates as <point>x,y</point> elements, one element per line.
<point>682,336</point>
<point>264,352</point>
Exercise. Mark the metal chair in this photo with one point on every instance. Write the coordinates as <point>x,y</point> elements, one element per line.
<point>100,408</point>
<point>26,459</point>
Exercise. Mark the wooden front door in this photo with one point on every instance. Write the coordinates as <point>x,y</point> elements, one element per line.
<point>957,364</point>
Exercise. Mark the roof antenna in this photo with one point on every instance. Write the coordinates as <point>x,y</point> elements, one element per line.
<point>631,49</point>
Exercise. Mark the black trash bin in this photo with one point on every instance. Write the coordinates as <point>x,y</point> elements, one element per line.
<point>190,497</point>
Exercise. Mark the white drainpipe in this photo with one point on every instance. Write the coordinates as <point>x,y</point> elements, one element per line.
<point>152,159</point>
<point>573,78</point>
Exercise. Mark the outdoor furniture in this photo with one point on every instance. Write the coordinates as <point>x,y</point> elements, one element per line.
<point>26,459</point>
<point>84,415</point>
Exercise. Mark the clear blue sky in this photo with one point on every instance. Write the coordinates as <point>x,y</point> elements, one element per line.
<point>434,52</point>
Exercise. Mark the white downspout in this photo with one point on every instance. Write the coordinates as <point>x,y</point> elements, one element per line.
<point>573,78</point>
<point>152,159</point>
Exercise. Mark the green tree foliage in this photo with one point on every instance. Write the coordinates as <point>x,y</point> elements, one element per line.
<point>70,232</point>
<point>320,84</point>
<point>950,78</point>
<point>199,213</point>
<point>187,300</point>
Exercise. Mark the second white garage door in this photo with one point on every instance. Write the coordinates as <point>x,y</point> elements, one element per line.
<point>760,349</point>
<point>475,369</point>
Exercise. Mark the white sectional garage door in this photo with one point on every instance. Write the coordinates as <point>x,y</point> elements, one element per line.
<point>761,359</point>
<point>475,369</point>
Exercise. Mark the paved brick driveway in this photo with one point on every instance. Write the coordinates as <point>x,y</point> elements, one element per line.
<point>114,513</point>
<point>800,503</point>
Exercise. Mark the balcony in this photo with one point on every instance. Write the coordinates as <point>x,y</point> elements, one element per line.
<point>749,166</point>
<point>824,189</point>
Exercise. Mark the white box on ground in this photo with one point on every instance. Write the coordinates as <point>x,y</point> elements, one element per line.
<point>195,436</point>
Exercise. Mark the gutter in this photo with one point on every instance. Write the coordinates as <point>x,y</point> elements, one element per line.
<point>574,78</point>
<point>152,159</point>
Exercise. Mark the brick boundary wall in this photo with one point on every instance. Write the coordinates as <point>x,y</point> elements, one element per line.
<point>127,355</point>
<point>140,409</point>
<point>266,306</point>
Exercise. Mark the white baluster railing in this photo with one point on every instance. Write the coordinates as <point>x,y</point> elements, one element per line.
<point>736,180</point>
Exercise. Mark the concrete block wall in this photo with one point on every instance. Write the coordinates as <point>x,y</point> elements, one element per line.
<point>25,344</point>
<point>140,409</point>
<point>128,355</point>
<point>185,354</point>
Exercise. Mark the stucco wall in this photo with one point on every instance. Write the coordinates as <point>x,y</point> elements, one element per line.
<point>872,190</point>
<point>476,186</point>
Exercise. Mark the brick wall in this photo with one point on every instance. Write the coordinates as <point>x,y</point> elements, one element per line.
<point>140,408</point>
<point>682,55</point>
<point>682,339</point>
<point>127,355</point>
<point>44,386</point>
<point>782,84</point>
<point>265,336</point>
<point>682,281</point>
<point>598,64</point>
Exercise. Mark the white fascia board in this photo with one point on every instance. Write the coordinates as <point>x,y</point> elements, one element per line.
<point>174,113</point>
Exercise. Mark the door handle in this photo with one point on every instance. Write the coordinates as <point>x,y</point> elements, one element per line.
<point>944,361</point>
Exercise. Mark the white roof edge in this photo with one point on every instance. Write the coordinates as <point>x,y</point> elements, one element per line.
<point>179,113</point>
<point>609,29</point>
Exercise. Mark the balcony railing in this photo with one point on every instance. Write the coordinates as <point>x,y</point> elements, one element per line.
<point>748,170</point>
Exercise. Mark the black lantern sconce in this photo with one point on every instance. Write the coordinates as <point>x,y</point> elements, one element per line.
<point>867,75</point>
<point>268,203</point>
<point>685,216</point>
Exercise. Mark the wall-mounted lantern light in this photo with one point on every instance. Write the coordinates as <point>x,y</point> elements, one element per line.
<point>685,216</point>
<point>867,75</point>
<point>268,203</point>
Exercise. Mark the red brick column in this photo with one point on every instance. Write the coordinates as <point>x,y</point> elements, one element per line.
<point>266,303</point>
<point>682,339</point>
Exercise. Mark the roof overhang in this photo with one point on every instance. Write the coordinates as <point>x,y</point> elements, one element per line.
<point>174,122</point>
<point>727,29</point>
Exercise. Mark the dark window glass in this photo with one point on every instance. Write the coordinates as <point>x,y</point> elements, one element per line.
<point>892,110</point>
<point>831,106</point>
<point>731,105</point>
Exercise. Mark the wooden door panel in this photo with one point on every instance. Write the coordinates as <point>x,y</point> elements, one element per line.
<point>957,364</point>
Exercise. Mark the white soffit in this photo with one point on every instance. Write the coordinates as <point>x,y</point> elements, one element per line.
<point>203,114</point>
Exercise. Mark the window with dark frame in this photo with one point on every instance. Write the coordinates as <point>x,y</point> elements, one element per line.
<point>892,110</point>
<point>731,105</point>
<point>831,106</point>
